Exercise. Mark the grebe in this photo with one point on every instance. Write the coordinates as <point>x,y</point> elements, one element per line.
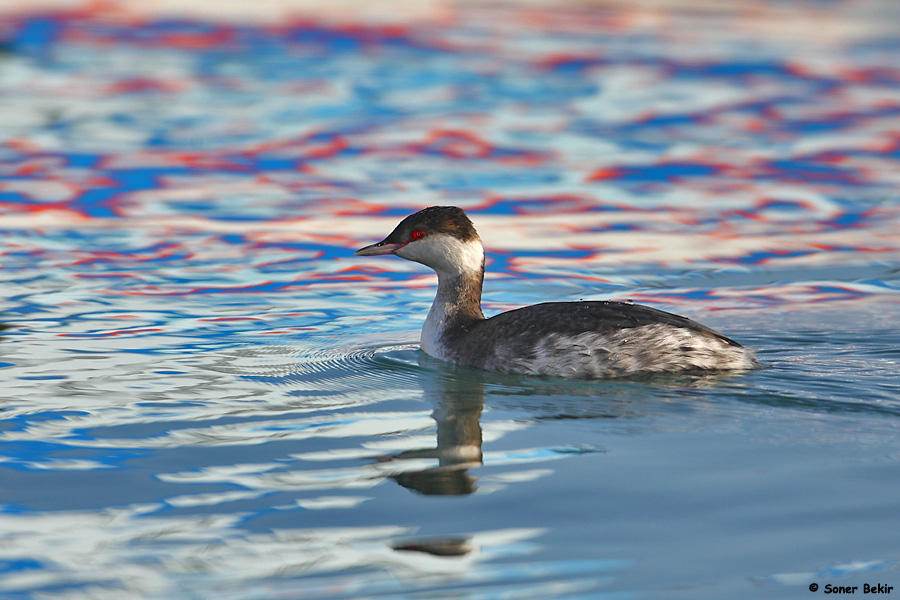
<point>585,340</point>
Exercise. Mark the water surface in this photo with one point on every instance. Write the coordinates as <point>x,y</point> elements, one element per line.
<point>207,395</point>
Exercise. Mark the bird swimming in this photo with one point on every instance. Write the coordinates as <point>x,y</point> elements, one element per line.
<point>583,340</point>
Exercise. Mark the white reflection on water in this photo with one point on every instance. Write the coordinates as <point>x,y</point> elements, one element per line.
<point>104,554</point>
<point>204,394</point>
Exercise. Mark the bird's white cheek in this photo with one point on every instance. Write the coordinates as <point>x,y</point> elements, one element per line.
<point>410,252</point>
<point>445,254</point>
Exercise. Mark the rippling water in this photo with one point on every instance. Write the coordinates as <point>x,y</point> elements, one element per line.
<point>206,395</point>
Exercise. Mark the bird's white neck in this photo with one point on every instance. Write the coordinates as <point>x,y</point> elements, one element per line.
<point>460,270</point>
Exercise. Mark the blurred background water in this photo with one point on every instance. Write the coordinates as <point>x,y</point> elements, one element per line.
<point>206,395</point>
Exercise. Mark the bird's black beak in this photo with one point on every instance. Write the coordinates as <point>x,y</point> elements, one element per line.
<point>379,248</point>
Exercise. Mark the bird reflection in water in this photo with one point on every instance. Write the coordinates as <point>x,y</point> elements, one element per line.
<point>458,395</point>
<point>459,401</point>
<point>448,546</point>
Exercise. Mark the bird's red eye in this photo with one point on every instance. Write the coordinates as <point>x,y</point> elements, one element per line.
<point>418,233</point>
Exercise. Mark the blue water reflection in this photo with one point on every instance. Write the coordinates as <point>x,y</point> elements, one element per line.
<point>206,395</point>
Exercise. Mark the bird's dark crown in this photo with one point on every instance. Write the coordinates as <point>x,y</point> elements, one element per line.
<point>450,220</point>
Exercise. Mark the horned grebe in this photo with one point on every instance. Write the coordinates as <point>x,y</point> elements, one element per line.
<point>565,339</point>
